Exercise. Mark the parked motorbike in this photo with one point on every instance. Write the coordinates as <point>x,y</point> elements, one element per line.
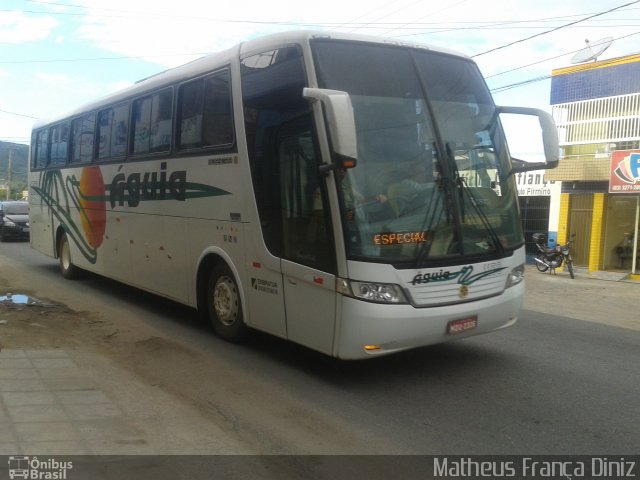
<point>552,258</point>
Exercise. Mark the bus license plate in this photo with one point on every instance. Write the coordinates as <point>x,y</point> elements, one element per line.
<point>459,326</point>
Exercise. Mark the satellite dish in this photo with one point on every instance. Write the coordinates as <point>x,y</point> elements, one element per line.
<point>592,51</point>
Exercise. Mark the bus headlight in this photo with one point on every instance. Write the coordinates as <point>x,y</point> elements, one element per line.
<point>372,291</point>
<point>515,277</point>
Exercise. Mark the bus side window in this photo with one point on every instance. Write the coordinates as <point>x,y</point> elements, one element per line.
<point>161,117</point>
<point>113,124</point>
<point>151,122</point>
<point>190,115</point>
<point>59,144</point>
<point>217,117</point>
<point>305,222</point>
<point>205,117</point>
<point>42,144</point>
<point>82,136</point>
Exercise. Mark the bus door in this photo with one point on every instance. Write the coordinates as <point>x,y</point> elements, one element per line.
<point>299,273</point>
<point>291,196</point>
<point>308,259</point>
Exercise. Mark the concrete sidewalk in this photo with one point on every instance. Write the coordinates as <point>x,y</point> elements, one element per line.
<point>603,297</point>
<point>50,404</point>
<point>67,401</point>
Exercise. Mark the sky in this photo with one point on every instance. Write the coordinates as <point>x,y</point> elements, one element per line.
<point>57,55</point>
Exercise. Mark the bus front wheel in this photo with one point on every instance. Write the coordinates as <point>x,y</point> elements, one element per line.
<point>224,305</point>
<point>67,268</point>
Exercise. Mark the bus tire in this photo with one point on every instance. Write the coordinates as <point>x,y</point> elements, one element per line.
<point>67,268</point>
<point>224,305</point>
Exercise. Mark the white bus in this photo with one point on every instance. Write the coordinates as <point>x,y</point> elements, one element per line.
<point>338,191</point>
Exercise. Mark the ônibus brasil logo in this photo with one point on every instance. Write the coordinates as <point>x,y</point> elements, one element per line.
<point>38,469</point>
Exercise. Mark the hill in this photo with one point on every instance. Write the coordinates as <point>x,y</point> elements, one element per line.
<point>19,164</point>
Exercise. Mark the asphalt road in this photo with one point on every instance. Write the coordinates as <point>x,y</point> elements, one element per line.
<point>549,385</point>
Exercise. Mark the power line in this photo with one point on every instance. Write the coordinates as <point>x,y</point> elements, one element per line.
<point>371,24</point>
<point>504,24</point>
<point>130,57</point>
<point>405,24</point>
<point>578,68</point>
<point>353,22</point>
<point>18,114</point>
<point>555,29</point>
<point>147,14</point>
<point>425,16</point>
<point>550,58</point>
<point>374,24</point>
<point>337,24</point>
<point>519,84</point>
<point>385,16</point>
<point>95,59</point>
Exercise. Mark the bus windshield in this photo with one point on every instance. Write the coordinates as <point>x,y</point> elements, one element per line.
<point>432,181</point>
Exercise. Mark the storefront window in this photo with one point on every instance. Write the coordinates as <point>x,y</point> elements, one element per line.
<point>620,232</point>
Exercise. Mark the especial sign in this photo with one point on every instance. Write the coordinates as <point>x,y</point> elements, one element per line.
<point>397,238</point>
<point>624,174</point>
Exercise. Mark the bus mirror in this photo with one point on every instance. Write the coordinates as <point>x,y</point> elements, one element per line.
<point>340,122</point>
<point>516,129</point>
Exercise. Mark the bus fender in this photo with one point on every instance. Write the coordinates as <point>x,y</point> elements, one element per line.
<point>207,260</point>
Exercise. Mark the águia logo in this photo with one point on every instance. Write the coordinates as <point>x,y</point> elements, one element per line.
<point>90,196</point>
<point>464,276</point>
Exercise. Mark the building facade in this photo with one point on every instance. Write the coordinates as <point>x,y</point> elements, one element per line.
<point>596,107</point>
<point>534,196</point>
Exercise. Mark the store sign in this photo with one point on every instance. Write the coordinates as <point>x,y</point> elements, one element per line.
<point>533,184</point>
<point>624,175</point>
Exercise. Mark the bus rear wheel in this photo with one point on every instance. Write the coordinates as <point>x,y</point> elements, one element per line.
<point>224,305</point>
<point>67,268</point>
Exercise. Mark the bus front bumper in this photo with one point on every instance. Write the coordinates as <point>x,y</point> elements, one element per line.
<point>369,329</point>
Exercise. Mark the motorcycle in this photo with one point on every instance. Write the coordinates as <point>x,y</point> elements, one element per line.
<point>552,258</point>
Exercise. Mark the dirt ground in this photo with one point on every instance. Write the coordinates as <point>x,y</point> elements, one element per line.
<point>43,323</point>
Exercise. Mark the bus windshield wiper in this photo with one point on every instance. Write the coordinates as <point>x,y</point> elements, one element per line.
<point>461,183</point>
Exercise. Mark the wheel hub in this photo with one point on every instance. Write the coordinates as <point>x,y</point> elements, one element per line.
<point>225,301</point>
<point>64,254</point>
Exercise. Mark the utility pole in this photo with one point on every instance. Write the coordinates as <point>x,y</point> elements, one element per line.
<point>9,174</point>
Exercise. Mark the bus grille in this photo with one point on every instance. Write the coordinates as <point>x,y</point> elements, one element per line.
<point>450,292</point>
